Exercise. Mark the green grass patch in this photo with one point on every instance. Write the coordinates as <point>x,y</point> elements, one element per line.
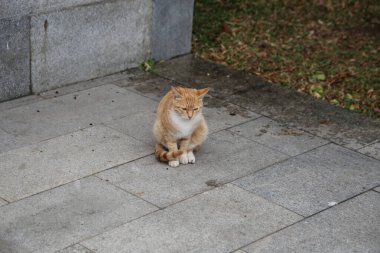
<point>327,48</point>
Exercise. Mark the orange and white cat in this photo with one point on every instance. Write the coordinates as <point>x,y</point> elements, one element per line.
<point>180,127</point>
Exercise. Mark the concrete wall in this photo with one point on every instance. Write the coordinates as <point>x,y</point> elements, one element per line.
<point>172,26</point>
<point>45,44</point>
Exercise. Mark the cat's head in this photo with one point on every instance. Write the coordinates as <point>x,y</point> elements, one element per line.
<point>188,103</point>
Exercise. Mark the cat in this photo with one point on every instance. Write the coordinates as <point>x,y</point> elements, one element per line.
<point>180,126</point>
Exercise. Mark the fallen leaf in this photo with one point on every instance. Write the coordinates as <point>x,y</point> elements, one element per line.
<point>325,122</point>
<point>319,76</point>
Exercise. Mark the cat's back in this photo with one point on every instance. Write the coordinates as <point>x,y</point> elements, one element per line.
<point>165,103</point>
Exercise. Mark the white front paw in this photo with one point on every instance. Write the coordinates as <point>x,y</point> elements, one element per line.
<point>190,157</point>
<point>183,159</point>
<point>174,163</point>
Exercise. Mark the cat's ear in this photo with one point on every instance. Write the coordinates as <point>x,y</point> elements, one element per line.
<point>176,93</point>
<point>202,92</point>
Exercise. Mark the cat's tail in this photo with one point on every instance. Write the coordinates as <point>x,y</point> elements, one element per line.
<point>164,156</point>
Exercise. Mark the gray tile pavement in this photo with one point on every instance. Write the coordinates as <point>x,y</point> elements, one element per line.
<point>39,167</point>
<point>220,220</point>
<point>9,141</point>
<point>3,202</point>
<point>372,150</point>
<point>77,248</point>
<point>278,136</point>
<point>19,102</point>
<point>350,227</point>
<point>223,158</point>
<point>62,216</point>
<point>76,165</point>
<point>71,112</point>
<point>315,180</point>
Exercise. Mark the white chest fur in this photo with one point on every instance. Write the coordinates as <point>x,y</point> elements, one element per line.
<point>185,127</point>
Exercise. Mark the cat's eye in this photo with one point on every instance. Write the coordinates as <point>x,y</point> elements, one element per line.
<point>184,109</point>
<point>196,109</point>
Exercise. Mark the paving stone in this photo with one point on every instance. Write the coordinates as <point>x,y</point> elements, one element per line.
<point>278,136</point>
<point>223,158</point>
<point>315,180</point>
<point>83,85</point>
<point>77,248</point>
<point>65,215</point>
<point>222,118</point>
<point>216,221</point>
<point>9,142</point>
<point>191,71</point>
<point>3,202</point>
<point>94,40</point>
<point>341,126</point>
<point>372,150</point>
<point>51,163</point>
<point>140,76</point>
<point>27,100</point>
<point>53,117</point>
<point>148,85</point>
<point>221,115</point>
<point>239,251</point>
<point>138,125</point>
<point>352,226</point>
<point>14,57</point>
<point>377,189</point>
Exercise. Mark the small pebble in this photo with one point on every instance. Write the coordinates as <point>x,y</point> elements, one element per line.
<point>232,113</point>
<point>212,183</point>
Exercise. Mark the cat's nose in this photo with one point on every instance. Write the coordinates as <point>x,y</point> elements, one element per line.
<point>190,115</point>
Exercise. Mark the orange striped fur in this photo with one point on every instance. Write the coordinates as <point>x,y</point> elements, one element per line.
<point>180,126</point>
<point>163,155</point>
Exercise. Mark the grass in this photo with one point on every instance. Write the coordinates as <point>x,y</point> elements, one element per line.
<point>148,66</point>
<point>329,49</point>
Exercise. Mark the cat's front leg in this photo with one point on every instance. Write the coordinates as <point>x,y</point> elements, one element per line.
<point>198,136</point>
<point>184,143</point>
<point>190,156</point>
<point>174,163</point>
<point>172,146</point>
<point>183,158</point>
